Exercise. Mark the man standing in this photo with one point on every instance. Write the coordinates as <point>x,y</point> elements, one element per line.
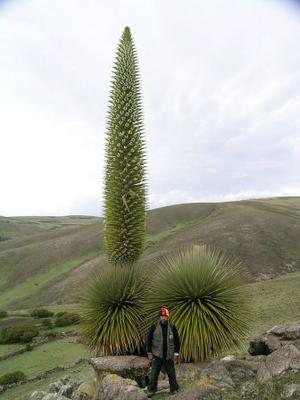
<point>163,348</point>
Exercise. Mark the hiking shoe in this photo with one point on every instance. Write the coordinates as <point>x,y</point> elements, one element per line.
<point>174,391</point>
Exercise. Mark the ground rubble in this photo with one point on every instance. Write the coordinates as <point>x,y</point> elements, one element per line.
<point>265,375</point>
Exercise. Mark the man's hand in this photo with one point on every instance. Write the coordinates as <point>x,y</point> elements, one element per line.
<point>150,356</point>
<point>175,358</point>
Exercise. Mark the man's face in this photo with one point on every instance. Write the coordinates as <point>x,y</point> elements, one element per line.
<point>163,319</point>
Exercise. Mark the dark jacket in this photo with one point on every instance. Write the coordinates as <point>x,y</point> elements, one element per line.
<point>163,340</point>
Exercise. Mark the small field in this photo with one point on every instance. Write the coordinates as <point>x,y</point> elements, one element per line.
<point>52,354</point>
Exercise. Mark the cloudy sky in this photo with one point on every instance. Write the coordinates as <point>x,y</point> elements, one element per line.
<point>221,96</point>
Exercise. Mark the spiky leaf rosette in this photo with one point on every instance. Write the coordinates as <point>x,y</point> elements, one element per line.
<point>111,310</point>
<point>125,187</point>
<point>204,293</point>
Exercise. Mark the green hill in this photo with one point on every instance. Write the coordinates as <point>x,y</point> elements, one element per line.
<point>45,259</point>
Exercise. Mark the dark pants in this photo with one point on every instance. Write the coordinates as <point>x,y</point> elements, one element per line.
<point>156,366</point>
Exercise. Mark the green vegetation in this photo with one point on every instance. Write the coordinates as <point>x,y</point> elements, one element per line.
<point>12,377</point>
<point>204,292</point>
<point>41,313</point>
<point>47,323</point>
<point>263,234</point>
<point>3,314</point>
<point>9,348</point>
<point>65,319</point>
<point>125,188</point>
<point>52,354</point>
<point>33,285</point>
<point>112,310</point>
<point>18,334</point>
<point>82,372</point>
<point>3,238</point>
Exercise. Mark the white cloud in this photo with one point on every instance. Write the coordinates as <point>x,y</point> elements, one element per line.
<point>221,91</point>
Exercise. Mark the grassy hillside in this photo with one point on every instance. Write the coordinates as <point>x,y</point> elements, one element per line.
<point>46,258</point>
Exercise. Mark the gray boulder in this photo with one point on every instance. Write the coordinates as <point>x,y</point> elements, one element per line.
<point>40,395</point>
<point>131,367</point>
<point>206,392</point>
<point>65,386</point>
<point>287,357</point>
<point>85,391</point>
<point>114,387</point>
<point>274,339</point>
<point>218,373</point>
<point>291,391</point>
<point>287,332</point>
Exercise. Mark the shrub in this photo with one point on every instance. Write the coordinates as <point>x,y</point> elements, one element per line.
<point>67,319</point>
<point>18,334</point>
<point>112,310</point>
<point>204,293</point>
<point>3,314</point>
<point>125,186</point>
<point>28,347</point>
<point>60,313</point>
<point>41,313</point>
<point>47,323</point>
<point>3,238</point>
<point>12,377</point>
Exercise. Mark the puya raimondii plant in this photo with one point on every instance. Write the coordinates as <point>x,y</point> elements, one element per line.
<point>205,293</point>
<point>125,186</point>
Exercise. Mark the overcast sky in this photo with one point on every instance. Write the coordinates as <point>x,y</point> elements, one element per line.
<point>221,96</point>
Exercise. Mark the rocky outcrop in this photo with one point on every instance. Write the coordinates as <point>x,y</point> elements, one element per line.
<point>131,367</point>
<point>65,387</point>
<point>206,392</point>
<point>114,387</point>
<point>40,395</point>
<point>277,337</point>
<point>274,375</point>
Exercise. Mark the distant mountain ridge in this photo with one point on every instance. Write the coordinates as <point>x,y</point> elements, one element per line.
<point>47,258</point>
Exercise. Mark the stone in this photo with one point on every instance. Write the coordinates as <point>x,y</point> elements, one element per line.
<point>114,387</point>
<point>65,386</point>
<point>287,332</point>
<point>228,358</point>
<point>287,357</point>
<point>291,391</point>
<point>240,371</point>
<point>40,395</point>
<point>218,373</point>
<point>131,367</point>
<point>263,374</point>
<point>86,391</point>
<point>205,392</point>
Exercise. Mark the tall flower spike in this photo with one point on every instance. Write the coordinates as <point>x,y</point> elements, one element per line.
<point>125,186</point>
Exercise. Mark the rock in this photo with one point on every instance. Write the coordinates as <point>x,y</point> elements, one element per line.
<point>287,357</point>
<point>66,386</point>
<point>40,395</point>
<point>206,392</point>
<point>263,374</point>
<point>113,387</point>
<point>240,371</point>
<point>287,332</point>
<point>218,373</point>
<point>228,358</point>
<point>274,339</point>
<point>86,391</point>
<point>291,391</point>
<point>131,367</point>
